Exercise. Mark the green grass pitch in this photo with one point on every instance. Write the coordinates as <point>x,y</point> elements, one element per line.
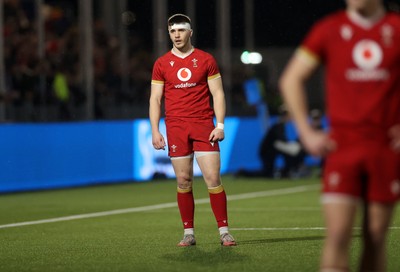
<point>136,226</point>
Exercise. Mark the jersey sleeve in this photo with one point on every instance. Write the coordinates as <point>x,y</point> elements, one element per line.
<point>213,70</point>
<point>157,76</point>
<point>314,44</point>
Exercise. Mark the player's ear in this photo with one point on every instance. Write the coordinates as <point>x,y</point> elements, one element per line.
<point>191,33</point>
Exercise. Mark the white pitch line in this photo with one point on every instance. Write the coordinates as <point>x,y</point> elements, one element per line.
<point>294,228</point>
<point>90,215</point>
<point>276,192</point>
<point>272,229</point>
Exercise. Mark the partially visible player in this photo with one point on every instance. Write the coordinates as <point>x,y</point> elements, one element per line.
<point>187,77</point>
<point>360,48</point>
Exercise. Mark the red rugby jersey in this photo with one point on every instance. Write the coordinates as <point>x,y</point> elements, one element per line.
<point>362,69</point>
<point>186,90</point>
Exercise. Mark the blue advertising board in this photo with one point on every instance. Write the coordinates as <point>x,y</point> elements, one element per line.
<point>46,156</point>
<point>40,156</point>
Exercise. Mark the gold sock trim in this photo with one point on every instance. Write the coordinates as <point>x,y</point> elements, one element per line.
<point>184,190</point>
<point>216,190</point>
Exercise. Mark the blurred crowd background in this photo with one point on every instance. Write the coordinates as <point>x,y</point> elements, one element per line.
<point>49,88</point>
<point>44,76</point>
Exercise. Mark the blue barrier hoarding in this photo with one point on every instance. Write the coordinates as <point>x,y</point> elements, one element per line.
<point>46,156</point>
<point>41,156</point>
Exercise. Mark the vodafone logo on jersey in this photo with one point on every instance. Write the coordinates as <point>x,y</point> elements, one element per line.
<point>184,74</point>
<point>367,55</point>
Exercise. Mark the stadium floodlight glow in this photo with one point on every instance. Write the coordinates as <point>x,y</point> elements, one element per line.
<point>251,57</point>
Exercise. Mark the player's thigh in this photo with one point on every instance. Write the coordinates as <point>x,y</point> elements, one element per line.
<point>384,167</point>
<point>183,168</point>
<point>339,217</point>
<point>210,166</point>
<point>379,217</point>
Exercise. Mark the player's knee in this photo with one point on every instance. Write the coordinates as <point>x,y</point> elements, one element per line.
<point>213,184</point>
<point>375,234</point>
<point>184,181</point>
<point>212,179</point>
<point>338,238</point>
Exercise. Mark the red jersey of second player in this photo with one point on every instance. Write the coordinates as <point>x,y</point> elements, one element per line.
<point>362,69</point>
<point>185,83</point>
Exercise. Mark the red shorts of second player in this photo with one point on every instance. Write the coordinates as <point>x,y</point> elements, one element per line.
<point>186,136</point>
<point>364,167</point>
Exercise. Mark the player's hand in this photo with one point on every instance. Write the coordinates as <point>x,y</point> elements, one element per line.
<point>394,134</point>
<point>158,141</point>
<point>216,135</point>
<point>317,142</point>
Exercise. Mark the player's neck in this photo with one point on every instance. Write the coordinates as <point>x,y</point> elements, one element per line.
<point>366,18</point>
<point>184,52</point>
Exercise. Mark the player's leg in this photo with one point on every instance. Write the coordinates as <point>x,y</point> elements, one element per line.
<point>209,163</point>
<point>342,193</point>
<point>339,215</point>
<point>209,166</point>
<point>382,193</point>
<point>183,167</point>
<point>377,218</point>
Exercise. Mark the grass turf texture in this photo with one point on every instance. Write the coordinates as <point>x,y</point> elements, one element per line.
<point>278,231</point>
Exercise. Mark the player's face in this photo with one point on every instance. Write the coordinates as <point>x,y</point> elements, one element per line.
<point>180,37</point>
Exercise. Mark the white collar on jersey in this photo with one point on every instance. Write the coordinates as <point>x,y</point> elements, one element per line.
<point>365,22</point>
<point>182,55</point>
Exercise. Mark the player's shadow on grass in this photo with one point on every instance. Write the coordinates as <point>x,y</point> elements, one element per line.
<point>285,239</point>
<point>196,256</point>
<point>280,240</point>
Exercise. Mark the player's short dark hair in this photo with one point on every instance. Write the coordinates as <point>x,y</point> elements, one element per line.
<point>179,18</point>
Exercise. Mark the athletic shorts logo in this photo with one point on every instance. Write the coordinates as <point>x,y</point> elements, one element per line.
<point>184,74</point>
<point>333,180</point>
<point>173,148</point>
<point>367,54</point>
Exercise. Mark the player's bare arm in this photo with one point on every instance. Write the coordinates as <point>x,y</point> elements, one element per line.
<point>156,95</point>
<point>292,87</point>
<point>217,92</point>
